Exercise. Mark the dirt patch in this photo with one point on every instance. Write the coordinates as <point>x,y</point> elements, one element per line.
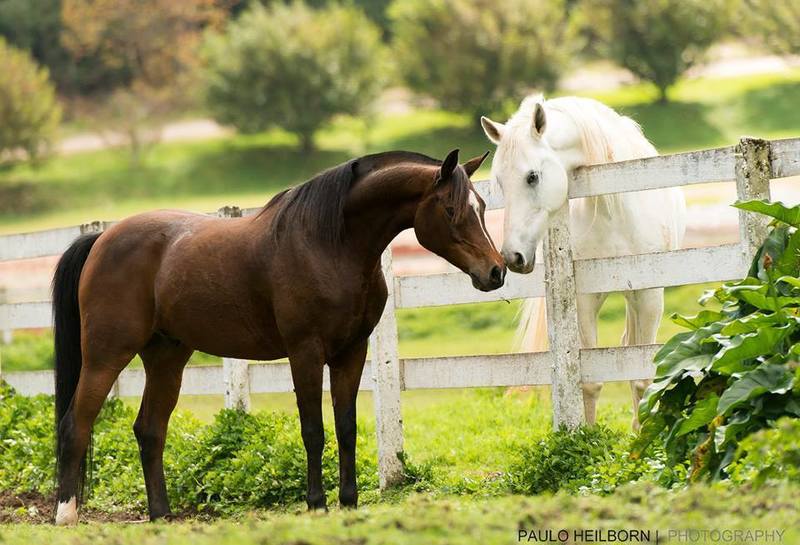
<point>35,508</point>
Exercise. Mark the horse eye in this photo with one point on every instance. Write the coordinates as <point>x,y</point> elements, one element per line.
<point>450,211</point>
<point>533,178</point>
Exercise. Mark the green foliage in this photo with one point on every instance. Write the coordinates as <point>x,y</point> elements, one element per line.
<point>567,460</point>
<point>777,22</point>
<point>474,55</point>
<point>240,461</point>
<point>294,67</point>
<point>29,113</point>
<point>769,455</point>
<point>736,371</point>
<point>657,40</point>
<point>36,26</point>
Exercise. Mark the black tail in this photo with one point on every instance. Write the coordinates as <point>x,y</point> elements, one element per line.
<point>67,326</point>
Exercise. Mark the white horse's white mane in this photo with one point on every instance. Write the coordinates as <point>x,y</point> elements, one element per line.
<point>605,135</point>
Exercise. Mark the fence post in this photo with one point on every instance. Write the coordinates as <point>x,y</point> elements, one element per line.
<point>753,172</point>
<point>235,372</point>
<point>562,323</point>
<point>387,385</point>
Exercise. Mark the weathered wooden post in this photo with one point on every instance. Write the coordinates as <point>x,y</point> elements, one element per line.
<point>562,323</point>
<point>235,372</point>
<point>386,386</point>
<point>753,172</point>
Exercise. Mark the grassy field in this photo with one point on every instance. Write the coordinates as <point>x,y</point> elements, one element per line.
<point>420,519</point>
<point>246,170</point>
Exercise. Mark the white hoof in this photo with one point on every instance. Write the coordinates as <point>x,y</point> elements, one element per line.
<point>67,513</point>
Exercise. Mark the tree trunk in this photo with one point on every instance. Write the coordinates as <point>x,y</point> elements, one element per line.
<point>662,95</point>
<point>307,142</point>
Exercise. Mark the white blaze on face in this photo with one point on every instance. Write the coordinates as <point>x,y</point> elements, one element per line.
<point>476,207</point>
<point>67,513</point>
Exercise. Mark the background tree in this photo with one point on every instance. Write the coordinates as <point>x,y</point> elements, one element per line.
<point>294,67</point>
<point>658,40</point>
<point>472,55</point>
<point>29,113</point>
<point>154,41</point>
<point>36,26</point>
<point>777,22</point>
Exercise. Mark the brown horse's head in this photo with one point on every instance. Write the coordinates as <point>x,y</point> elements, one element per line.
<point>450,223</point>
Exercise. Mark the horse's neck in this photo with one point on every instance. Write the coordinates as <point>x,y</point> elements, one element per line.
<point>382,205</point>
<point>569,147</point>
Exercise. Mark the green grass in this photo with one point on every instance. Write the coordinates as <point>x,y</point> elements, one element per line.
<point>452,521</point>
<point>246,170</point>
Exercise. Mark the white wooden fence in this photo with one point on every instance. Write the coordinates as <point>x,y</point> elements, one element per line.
<point>752,163</point>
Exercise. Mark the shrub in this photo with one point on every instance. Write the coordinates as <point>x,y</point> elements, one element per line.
<point>29,113</point>
<point>736,371</point>
<point>776,21</point>
<point>564,459</point>
<point>293,67</point>
<point>657,40</point>
<point>769,454</point>
<point>474,55</point>
<point>239,461</point>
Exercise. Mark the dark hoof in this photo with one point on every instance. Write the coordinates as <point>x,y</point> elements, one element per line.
<point>317,503</point>
<point>348,500</point>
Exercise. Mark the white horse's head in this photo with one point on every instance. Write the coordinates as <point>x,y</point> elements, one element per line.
<point>532,178</point>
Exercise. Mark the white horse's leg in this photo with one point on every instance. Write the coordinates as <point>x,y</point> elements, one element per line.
<point>588,306</point>
<point>643,312</point>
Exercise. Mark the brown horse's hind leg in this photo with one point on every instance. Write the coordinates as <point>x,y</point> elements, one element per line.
<point>345,377</point>
<point>76,427</point>
<point>306,362</point>
<point>164,361</point>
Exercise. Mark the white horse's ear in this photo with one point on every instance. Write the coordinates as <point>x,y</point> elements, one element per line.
<point>539,120</point>
<point>494,131</point>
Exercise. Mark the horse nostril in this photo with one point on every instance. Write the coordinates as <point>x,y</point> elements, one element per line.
<point>519,260</point>
<point>496,275</point>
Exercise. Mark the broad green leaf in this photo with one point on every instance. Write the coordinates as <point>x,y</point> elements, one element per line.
<point>669,362</point>
<point>768,378</point>
<point>701,319</point>
<point>751,322</point>
<point>777,210</point>
<point>650,429</point>
<point>736,350</point>
<point>789,261</point>
<point>791,280</point>
<point>670,345</point>
<point>704,412</point>
<point>728,432</point>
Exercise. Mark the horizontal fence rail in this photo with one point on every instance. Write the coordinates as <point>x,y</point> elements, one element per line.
<point>751,164</point>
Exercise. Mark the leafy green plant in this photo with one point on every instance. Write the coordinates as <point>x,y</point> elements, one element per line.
<point>769,454</point>
<point>564,459</point>
<point>736,370</point>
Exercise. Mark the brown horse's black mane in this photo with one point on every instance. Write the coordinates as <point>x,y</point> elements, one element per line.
<point>318,204</point>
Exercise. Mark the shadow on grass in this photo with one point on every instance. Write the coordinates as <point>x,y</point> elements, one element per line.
<point>772,109</point>
<point>676,126</point>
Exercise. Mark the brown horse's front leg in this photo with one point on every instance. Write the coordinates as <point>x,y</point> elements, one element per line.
<point>306,362</point>
<point>346,371</point>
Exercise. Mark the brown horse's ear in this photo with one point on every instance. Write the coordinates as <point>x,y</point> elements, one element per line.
<point>448,165</point>
<point>474,164</point>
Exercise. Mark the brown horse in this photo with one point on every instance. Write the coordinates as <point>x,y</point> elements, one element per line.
<point>302,278</point>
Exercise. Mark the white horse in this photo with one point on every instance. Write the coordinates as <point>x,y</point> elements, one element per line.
<point>537,148</point>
